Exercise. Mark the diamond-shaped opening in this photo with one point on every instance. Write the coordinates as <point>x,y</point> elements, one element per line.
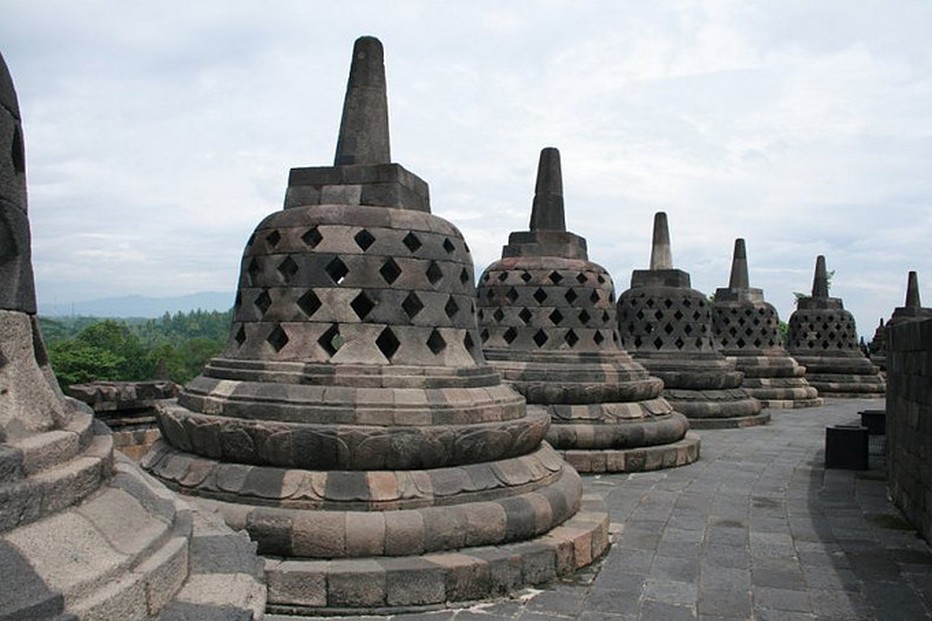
<point>555,277</point>
<point>668,329</point>
<point>240,336</point>
<point>741,342</point>
<point>571,338</point>
<point>601,279</point>
<point>540,337</point>
<point>687,303</point>
<point>570,296</point>
<point>525,315</point>
<point>331,340</point>
<point>688,329</point>
<point>412,242</point>
<point>668,302</point>
<point>639,315</point>
<point>287,268</point>
<point>468,343</point>
<point>678,315</point>
<point>757,342</point>
<point>649,303</point>
<point>485,277</point>
<point>540,295</point>
<point>364,239</point>
<point>658,314</point>
<point>412,305</point>
<point>526,276</point>
<point>611,296</point>
<point>253,270</point>
<point>362,305</point>
<point>699,343</point>
<point>658,343</point>
<point>435,342</point>
<point>466,247</point>
<point>489,293</point>
<point>449,247</point>
<point>277,339</point>
<point>511,294</point>
<point>451,307</point>
<point>597,337</point>
<point>605,316</point>
<point>556,316</point>
<point>251,240</point>
<point>502,276</point>
<point>581,278</point>
<point>273,238</point>
<point>484,335</point>
<point>584,317</point>
<point>434,273</point>
<point>464,276</point>
<point>309,303</point>
<point>337,270</point>
<point>696,315</point>
<point>263,301</point>
<point>510,335</point>
<point>312,238</point>
<point>387,343</point>
<point>679,343</point>
<point>498,315</point>
<point>594,298</point>
<point>390,271</point>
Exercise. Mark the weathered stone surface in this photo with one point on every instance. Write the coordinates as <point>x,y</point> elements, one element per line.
<point>748,332</point>
<point>667,326</point>
<point>547,319</point>
<point>822,337</point>
<point>912,310</point>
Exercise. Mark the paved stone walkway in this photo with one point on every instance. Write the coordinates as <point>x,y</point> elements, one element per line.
<point>756,529</point>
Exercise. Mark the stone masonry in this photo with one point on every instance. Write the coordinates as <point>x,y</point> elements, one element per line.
<point>84,534</point>
<point>748,332</point>
<point>822,336</point>
<point>351,425</point>
<point>547,323</point>
<point>667,327</point>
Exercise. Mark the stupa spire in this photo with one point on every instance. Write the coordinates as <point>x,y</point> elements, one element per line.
<point>912,291</point>
<point>547,213</point>
<point>739,267</point>
<point>661,257</point>
<point>820,279</point>
<point>364,127</point>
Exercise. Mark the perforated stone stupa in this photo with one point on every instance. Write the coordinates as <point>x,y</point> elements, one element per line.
<point>822,336</point>
<point>547,323</point>
<point>912,310</point>
<point>351,425</point>
<point>84,534</point>
<point>667,327</point>
<point>748,331</point>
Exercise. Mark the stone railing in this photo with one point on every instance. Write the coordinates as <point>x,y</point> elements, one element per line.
<point>909,421</point>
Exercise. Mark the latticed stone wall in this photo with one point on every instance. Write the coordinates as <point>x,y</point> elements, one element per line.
<point>667,319</point>
<point>308,290</point>
<point>574,312</point>
<point>821,330</point>
<point>909,421</point>
<point>745,326</point>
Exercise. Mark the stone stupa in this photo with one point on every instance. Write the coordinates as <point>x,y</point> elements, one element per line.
<point>547,323</point>
<point>667,327</point>
<point>912,310</point>
<point>351,425</point>
<point>84,534</point>
<point>748,332</point>
<point>822,336</point>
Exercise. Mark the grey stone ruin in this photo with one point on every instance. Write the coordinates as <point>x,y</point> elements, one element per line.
<point>351,425</point>
<point>667,327</point>
<point>822,337</point>
<point>547,323</point>
<point>748,332</point>
<point>84,534</point>
<point>912,310</point>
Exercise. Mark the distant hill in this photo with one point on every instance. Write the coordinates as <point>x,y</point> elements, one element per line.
<point>140,305</point>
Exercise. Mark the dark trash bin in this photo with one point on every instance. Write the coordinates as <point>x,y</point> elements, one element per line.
<point>846,447</point>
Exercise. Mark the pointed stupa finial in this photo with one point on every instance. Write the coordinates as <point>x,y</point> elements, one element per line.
<point>363,136</point>
<point>661,257</point>
<point>820,279</point>
<point>912,291</point>
<point>547,212</point>
<point>739,267</point>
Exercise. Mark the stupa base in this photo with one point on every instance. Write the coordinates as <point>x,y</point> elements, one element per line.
<point>641,459</point>
<point>789,404</point>
<point>391,585</point>
<point>735,422</point>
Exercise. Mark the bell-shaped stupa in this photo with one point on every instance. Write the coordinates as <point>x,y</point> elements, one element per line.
<point>748,332</point>
<point>667,327</point>
<point>912,310</point>
<point>547,323</point>
<point>351,425</point>
<point>84,534</point>
<point>822,336</point>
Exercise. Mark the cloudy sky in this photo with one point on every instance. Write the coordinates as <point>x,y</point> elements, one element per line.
<point>159,133</point>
